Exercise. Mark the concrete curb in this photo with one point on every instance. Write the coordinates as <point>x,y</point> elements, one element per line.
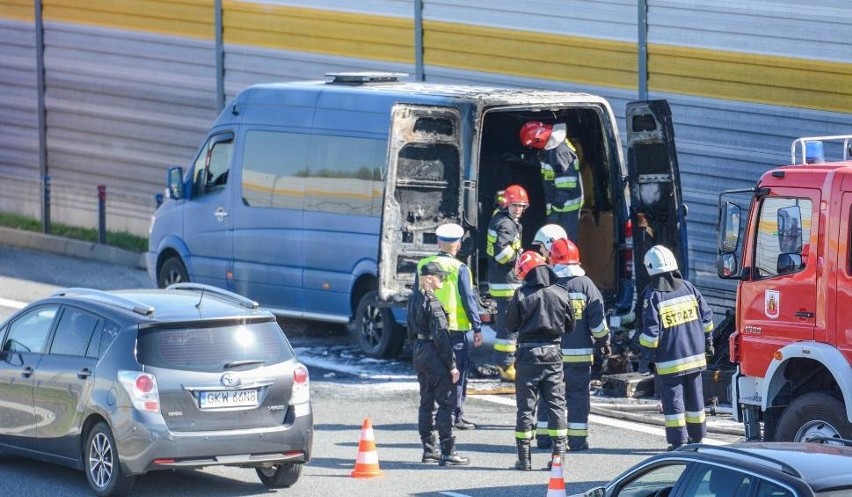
<point>71,248</point>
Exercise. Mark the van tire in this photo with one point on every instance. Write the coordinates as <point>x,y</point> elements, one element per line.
<point>172,271</point>
<point>379,336</point>
<point>279,476</point>
<point>813,414</point>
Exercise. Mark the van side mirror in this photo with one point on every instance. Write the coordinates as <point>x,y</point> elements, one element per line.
<point>789,263</point>
<point>729,228</point>
<point>174,183</point>
<point>727,266</point>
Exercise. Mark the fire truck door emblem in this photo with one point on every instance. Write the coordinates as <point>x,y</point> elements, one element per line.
<point>771,303</point>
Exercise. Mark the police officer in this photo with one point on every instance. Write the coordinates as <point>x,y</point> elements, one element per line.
<point>540,312</point>
<point>677,327</point>
<point>590,332</point>
<point>462,305</point>
<point>560,173</point>
<point>503,245</point>
<point>436,369</point>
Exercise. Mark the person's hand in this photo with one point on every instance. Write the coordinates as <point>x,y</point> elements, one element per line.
<point>477,339</point>
<point>710,350</point>
<point>605,348</point>
<point>454,374</point>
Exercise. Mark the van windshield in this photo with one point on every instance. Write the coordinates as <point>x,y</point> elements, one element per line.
<point>212,349</point>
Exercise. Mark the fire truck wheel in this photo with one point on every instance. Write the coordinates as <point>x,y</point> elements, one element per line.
<point>815,414</point>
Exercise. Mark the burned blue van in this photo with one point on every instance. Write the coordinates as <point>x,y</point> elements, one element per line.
<point>316,199</point>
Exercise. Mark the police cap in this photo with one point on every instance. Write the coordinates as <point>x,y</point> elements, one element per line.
<point>450,232</point>
<point>432,269</point>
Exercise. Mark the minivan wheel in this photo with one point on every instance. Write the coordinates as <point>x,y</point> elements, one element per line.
<point>280,475</point>
<point>378,333</point>
<point>813,415</point>
<point>103,469</point>
<point>172,271</point>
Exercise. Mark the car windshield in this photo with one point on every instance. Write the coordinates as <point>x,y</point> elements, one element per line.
<point>214,348</point>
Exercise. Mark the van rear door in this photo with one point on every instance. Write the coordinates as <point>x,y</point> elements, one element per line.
<point>422,191</point>
<point>656,204</point>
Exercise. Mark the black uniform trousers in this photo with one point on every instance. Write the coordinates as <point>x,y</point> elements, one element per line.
<point>683,407</point>
<point>538,372</point>
<point>461,352</point>
<point>578,403</point>
<point>436,388</point>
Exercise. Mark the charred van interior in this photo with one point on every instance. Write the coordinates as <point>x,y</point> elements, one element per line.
<point>504,161</point>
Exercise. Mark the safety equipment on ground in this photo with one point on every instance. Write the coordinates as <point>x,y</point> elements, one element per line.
<point>547,234</point>
<point>515,194</point>
<point>367,462</point>
<point>556,486</point>
<point>564,251</point>
<point>507,373</point>
<point>535,134</point>
<point>660,259</point>
<point>528,261</point>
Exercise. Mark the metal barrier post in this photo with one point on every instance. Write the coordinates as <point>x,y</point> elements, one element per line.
<point>101,213</point>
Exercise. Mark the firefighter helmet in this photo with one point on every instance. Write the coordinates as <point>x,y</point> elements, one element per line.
<point>547,234</point>
<point>535,134</point>
<point>528,261</point>
<point>659,259</point>
<point>515,194</point>
<point>564,251</point>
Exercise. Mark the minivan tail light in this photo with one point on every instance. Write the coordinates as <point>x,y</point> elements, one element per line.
<point>627,253</point>
<point>301,385</point>
<point>142,390</point>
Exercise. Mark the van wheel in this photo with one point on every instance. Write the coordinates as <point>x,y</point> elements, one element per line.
<point>280,475</point>
<point>172,271</point>
<point>378,333</point>
<point>103,469</point>
<point>815,414</point>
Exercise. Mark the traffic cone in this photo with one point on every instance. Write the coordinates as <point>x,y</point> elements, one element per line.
<point>556,487</point>
<point>367,462</point>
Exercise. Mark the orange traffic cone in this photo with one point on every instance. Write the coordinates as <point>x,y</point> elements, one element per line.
<point>556,487</point>
<point>367,463</point>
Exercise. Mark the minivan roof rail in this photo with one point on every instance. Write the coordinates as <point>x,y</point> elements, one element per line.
<point>363,77</point>
<point>199,287</point>
<point>107,298</point>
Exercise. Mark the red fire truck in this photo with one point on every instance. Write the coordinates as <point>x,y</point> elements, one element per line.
<point>793,259</point>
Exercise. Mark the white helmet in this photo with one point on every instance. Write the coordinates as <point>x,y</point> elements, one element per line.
<point>547,234</point>
<point>660,260</point>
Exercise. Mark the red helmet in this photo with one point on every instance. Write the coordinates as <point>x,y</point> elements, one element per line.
<point>563,251</point>
<point>526,262</point>
<point>515,194</point>
<point>535,134</point>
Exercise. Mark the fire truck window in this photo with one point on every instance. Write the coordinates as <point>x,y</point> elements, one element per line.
<point>783,236</point>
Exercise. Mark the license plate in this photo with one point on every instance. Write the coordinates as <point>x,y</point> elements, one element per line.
<point>228,398</point>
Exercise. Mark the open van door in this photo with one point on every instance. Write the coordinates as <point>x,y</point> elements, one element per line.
<point>423,189</point>
<point>656,204</point>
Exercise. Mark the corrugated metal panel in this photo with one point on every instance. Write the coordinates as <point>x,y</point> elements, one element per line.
<point>194,18</point>
<point>21,10</point>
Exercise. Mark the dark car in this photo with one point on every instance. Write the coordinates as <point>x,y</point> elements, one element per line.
<point>752,469</point>
<point>125,382</point>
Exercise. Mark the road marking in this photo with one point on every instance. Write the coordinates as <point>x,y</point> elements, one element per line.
<point>453,494</point>
<point>597,419</point>
<point>14,304</point>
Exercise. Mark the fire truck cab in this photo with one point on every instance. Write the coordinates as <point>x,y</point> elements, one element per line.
<point>787,241</point>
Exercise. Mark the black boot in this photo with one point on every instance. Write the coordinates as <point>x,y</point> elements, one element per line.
<point>430,450</point>
<point>524,462</point>
<point>560,446</point>
<point>449,454</point>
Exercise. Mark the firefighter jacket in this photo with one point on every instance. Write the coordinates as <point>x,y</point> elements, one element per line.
<point>503,245</point>
<point>540,311</point>
<point>676,326</point>
<point>427,321</point>
<point>560,172</point>
<point>456,295</point>
<point>589,320</point>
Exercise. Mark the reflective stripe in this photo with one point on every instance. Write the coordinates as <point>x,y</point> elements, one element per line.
<point>648,341</point>
<point>547,172</point>
<point>577,355</point>
<point>695,417</point>
<point>570,205</point>
<point>578,430</point>
<point>678,311</point>
<point>680,365</point>
<point>559,432</point>
<point>505,255</point>
<point>565,182</point>
<point>708,327</point>
<point>502,289</point>
<point>502,345</point>
<point>601,330</point>
<point>525,435</point>
<point>541,425</point>
<point>675,420</point>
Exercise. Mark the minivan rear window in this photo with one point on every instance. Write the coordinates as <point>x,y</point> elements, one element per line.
<point>219,348</point>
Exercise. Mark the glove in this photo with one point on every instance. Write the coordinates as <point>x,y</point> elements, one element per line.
<point>709,350</point>
<point>604,348</point>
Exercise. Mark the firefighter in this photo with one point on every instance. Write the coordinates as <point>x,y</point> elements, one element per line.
<point>560,173</point>
<point>540,312</point>
<point>436,369</point>
<point>590,333</point>
<point>462,305</point>
<point>677,326</point>
<point>503,246</point>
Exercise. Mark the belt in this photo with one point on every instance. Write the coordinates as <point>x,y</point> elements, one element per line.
<point>425,338</point>
<point>532,345</point>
